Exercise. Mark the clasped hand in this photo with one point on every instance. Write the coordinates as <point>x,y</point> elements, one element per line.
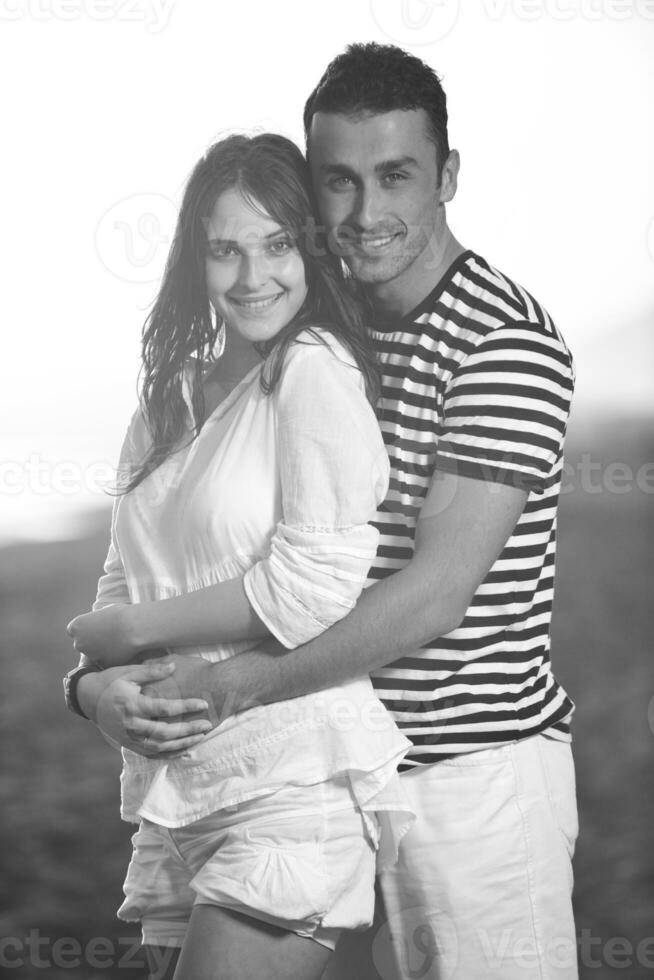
<point>142,708</point>
<point>157,708</point>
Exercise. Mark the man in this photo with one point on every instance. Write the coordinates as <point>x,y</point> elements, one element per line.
<point>455,626</point>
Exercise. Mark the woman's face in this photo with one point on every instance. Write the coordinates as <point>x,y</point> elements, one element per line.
<point>255,274</point>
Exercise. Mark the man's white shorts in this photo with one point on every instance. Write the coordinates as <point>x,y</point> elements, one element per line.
<point>301,859</point>
<point>482,890</point>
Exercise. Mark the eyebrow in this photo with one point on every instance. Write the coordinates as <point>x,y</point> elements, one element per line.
<point>232,241</point>
<point>385,165</point>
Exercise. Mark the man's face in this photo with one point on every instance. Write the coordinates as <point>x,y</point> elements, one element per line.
<point>378,189</point>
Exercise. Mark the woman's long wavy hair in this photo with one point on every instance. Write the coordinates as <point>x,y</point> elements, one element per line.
<point>273,177</point>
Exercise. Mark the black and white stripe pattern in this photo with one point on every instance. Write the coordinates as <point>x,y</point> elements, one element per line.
<point>477,381</point>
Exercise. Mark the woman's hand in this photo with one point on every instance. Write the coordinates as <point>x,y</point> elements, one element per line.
<point>155,727</point>
<point>105,636</point>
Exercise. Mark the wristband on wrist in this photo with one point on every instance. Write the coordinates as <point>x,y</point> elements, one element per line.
<point>71,680</point>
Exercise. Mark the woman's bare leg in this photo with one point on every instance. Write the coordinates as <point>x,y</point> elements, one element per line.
<point>225,945</point>
<point>162,961</point>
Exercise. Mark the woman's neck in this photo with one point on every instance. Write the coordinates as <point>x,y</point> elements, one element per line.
<point>237,359</point>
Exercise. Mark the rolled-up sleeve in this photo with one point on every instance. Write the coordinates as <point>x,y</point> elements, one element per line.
<point>112,585</point>
<point>333,474</point>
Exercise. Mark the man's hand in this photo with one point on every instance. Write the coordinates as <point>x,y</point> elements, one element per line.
<point>155,727</point>
<point>104,636</point>
<point>222,685</point>
<point>463,527</point>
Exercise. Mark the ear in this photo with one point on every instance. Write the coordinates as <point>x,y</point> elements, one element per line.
<point>449,177</point>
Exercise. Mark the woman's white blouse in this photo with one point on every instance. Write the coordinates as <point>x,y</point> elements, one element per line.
<point>278,489</point>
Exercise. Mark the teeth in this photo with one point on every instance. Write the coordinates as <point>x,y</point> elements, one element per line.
<point>256,304</point>
<point>378,242</point>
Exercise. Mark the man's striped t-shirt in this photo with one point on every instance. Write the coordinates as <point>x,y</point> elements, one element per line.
<point>477,381</point>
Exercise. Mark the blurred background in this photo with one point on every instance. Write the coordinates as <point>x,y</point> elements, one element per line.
<point>107,104</point>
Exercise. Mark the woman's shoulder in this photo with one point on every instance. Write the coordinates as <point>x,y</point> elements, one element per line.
<point>313,357</point>
<point>319,341</point>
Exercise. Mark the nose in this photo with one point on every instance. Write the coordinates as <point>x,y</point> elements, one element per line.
<point>253,272</point>
<point>368,209</point>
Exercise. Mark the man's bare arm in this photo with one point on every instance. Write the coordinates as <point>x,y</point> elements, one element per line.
<point>462,530</point>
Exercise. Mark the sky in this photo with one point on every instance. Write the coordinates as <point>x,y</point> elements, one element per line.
<point>107,105</point>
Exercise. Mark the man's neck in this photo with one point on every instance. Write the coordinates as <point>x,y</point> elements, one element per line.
<point>399,296</point>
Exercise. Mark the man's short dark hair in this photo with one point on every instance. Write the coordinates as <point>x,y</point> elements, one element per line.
<point>375,78</point>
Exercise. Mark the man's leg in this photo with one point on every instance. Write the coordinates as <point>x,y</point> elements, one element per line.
<point>482,888</point>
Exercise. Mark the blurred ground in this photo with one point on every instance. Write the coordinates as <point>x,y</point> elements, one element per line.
<point>65,849</point>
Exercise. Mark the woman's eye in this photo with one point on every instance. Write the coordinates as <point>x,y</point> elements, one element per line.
<point>282,247</point>
<point>222,251</point>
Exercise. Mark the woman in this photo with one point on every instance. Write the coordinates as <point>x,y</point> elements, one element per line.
<point>253,469</point>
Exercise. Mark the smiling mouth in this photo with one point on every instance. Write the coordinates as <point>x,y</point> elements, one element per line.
<point>371,244</point>
<point>257,304</point>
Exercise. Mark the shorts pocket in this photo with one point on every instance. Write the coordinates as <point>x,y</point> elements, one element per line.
<point>558,767</point>
<point>273,870</point>
<point>157,883</point>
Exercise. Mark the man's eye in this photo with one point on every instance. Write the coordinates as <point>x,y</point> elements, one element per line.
<point>339,183</point>
<point>394,177</point>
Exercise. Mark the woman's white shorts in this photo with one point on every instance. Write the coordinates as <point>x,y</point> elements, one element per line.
<point>302,859</point>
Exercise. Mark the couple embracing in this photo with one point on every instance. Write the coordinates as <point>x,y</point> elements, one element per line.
<point>371,782</point>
